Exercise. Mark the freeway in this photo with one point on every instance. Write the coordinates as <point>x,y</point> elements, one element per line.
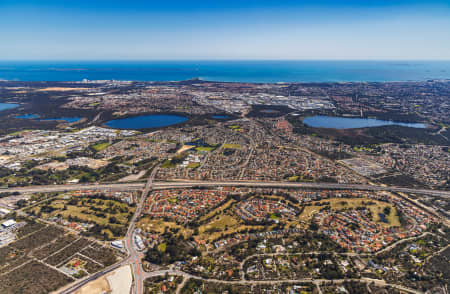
<point>189,183</point>
<point>74,187</point>
<point>440,193</point>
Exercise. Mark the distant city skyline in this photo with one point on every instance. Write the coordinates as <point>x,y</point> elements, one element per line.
<point>222,30</point>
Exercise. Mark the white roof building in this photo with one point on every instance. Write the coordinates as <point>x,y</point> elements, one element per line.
<point>8,223</point>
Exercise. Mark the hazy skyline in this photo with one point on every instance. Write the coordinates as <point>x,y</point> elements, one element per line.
<point>108,30</point>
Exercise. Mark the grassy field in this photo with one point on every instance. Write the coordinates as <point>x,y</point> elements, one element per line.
<point>219,223</point>
<point>158,226</point>
<point>204,149</point>
<point>308,212</point>
<point>352,203</point>
<point>89,210</point>
<point>168,164</point>
<point>225,225</point>
<point>231,146</point>
<point>217,210</point>
<point>171,163</point>
<point>193,165</point>
<point>86,210</point>
<point>236,128</point>
<point>100,146</point>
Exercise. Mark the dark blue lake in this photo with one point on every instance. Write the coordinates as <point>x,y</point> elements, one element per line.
<point>66,119</point>
<point>28,116</point>
<point>4,106</point>
<point>322,121</point>
<point>220,116</point>
<point>146,121</point>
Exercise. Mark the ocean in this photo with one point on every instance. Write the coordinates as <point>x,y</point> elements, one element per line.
<point>227,71</point>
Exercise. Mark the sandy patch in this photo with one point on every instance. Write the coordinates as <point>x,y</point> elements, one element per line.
<point>120,280</point>
<point>98,286</point>
<point>185,148</point>
<point>50,89</point>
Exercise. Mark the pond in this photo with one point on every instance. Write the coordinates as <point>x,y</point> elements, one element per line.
<point>66,119</point>
<point>28,116</point>
<point>146,121</point>
<point>322,121</point>
<point>220,117</point>
<point>4,106</point>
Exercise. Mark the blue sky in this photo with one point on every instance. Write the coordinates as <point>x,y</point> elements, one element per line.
<point>216,29</point>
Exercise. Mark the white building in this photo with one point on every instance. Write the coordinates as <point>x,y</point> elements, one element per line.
<point>8,223</point>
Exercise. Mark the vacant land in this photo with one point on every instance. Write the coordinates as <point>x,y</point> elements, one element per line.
<point>54,246</point>
<point>63,255</point>
<point>38,238</point>
<point>33,278</point>
<point>103,255</point>
<point>95,287</point>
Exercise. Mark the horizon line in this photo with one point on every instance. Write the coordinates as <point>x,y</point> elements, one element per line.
<point>218,59</point>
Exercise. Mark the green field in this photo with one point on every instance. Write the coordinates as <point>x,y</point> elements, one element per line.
<point>100,146</point>
<point>352,203</point>
<point>193,165</point>
<point>110,214</point>
<point>204,149</point>
<point>231,146</point>
<point>168,164</point>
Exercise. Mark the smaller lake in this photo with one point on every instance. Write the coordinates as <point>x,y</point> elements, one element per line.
<point>220,117</point>
<point>4,106</point>
<point>322,121</point>
<point>146,121</point>
<point>28,116</point>
<point>66,119</point>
